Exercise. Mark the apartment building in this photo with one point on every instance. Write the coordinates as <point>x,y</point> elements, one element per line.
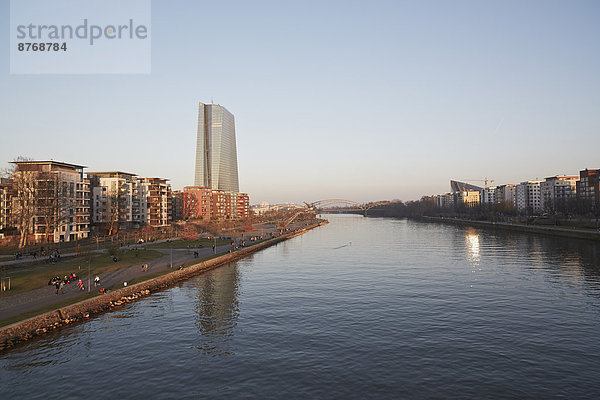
<point>528,198</point>
<point>588,187</point>
<point>467,198</point>
<point>556,191</point>
<point>241,208</point>
<point>197,202</point>
<point>210,204</point>
<point>177,205</point>
<point>444,200</point>
<point>5,199</point>
<point>489,195</point>
<point>157,192</point>
<point>116,200</point>
<point>62,199</point>
<point>506,194</point>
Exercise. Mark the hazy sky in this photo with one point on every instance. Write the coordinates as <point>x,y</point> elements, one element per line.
<point>353,99</point>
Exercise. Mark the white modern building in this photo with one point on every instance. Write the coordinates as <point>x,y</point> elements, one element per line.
<point>115,199</point>
<point>445,200</point>
<point>506,194</point>
<point>489,195</point>
<point>557,190</point>
<point>528,198</point>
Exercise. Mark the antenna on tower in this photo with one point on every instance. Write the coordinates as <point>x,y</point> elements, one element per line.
<point>211,100</point>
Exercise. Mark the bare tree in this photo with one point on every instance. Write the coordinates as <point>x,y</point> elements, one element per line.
<point>55,204</point>
<point>113,212</point>
<point>24,203</point>
<point>190,205</point>
<point>47,190</point>
<point>23,198</point>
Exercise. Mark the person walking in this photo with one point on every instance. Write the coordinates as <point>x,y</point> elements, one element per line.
<point>62,285</point>
<point>96,280</point>
<point>57,285</point>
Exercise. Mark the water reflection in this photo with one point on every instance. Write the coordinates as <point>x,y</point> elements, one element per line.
<point>570,261</point>
<point>336,323</point>
<point>216,309</point>
<point>472,243</point>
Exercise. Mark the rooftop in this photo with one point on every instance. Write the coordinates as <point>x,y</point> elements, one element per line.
<point>114,174</point>
<point>51,162</point>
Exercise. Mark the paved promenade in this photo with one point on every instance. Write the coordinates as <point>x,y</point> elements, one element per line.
<point>12,306</point>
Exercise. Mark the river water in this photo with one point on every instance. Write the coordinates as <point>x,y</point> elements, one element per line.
<point>360,308</point>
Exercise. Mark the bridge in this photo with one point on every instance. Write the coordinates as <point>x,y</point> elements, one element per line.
<point>348,205</point>
<point>326,205</point>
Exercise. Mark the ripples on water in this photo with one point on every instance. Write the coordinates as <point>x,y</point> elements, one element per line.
<point>360,308</point>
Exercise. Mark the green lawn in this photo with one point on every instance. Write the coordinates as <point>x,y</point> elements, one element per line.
<point>185,244</point>
<point>29,277</point>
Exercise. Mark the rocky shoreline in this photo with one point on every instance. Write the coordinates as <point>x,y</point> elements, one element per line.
<point>27,329</point>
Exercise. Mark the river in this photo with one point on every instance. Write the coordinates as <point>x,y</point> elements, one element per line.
<point>360,308</point>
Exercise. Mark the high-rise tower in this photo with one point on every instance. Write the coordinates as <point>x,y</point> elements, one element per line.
<point>216,155</point>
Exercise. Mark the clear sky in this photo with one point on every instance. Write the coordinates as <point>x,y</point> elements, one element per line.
<point>353,99</point>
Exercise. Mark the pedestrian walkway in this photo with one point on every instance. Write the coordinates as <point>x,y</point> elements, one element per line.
<point>12,306</point>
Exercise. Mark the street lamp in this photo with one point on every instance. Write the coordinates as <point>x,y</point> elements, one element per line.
<point>89,272</point>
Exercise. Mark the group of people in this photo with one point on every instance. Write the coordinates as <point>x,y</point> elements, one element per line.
<point>59,283</point>
<point>53,254</point>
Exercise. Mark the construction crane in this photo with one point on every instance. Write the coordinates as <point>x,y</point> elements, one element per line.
<point>485,181</point>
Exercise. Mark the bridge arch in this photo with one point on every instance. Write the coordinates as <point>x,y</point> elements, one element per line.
<point>350,204</point>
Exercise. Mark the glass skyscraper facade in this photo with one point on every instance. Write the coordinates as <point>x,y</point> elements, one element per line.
<point>216,155</point>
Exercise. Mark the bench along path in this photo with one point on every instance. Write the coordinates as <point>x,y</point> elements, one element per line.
<point>12,306</point>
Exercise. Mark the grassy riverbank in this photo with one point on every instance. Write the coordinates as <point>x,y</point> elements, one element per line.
<point>187,244</point>
<point>36,275</point>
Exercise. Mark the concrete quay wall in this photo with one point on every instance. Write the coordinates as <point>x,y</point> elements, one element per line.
<point>27,329</point>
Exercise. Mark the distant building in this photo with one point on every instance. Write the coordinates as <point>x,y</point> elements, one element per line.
<point>444,200</point>
<point>197,203</point>
<point>209,204</point>
<point>557,190</point>
<point>467,198</point>
<point>62,206</point>
<point>264,207</point>
<point>177,205</point>
<point>489,195</point>
<point>241,205</point>
<point>506,194</point>
<point>456,186</point>
<point>588,187</point>
<point>528,197</point>
<point>216,154</point>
